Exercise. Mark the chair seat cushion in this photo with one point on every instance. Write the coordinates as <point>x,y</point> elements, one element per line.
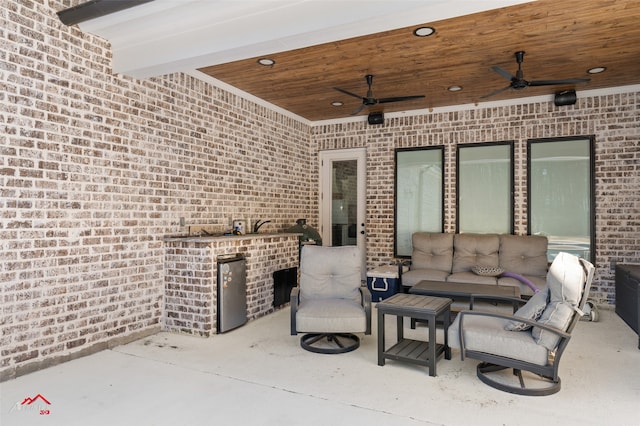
<point>330,316</point>
<point>487,334</point>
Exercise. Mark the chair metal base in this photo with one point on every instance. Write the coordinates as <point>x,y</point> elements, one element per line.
<point>330,343</point>
<point>484,369</point>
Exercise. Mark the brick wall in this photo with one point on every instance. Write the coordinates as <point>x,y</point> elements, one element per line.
<point>96,168</point>
<point>613,119</point>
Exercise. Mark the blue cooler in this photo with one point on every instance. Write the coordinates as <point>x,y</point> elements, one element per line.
<point>383,281</point>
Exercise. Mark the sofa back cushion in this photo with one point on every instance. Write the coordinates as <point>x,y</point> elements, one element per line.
<point>524,254</point>
<point>475,249</point>
<point>432,251</point>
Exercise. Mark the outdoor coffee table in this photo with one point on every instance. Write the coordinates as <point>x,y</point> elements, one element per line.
<point>463,291</point>
<point>425,308</point>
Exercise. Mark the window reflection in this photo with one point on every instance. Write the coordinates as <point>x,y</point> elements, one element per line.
<point>561,194</point>
<point>419,194</point>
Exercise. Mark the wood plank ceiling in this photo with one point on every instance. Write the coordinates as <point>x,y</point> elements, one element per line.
<point>562,39</point>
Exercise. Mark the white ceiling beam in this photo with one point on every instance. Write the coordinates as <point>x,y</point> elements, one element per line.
<point>166,36</point>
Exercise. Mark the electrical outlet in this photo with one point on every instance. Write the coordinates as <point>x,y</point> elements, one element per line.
<point>182,221</point>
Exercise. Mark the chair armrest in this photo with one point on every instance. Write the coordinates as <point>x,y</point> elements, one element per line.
<point>401,264</point>
<point>294,300</point>
<point>515,301</point>
<point>562,334</point>
<point>366,304</point>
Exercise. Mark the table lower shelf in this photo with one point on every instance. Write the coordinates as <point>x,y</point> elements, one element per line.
<point>413,351</point>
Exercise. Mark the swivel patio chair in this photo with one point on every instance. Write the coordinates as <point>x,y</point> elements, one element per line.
<point>330,305</point>
<point>531,340</point>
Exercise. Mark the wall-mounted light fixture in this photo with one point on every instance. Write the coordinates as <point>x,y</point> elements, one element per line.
<point>376,118</point>
<point>568,97</point>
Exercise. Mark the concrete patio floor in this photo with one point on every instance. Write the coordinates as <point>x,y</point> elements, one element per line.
<point>259,375</point>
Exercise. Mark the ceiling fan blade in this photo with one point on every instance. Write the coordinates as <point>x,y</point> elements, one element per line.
<point>346,92</point>
<point>503,73</point>
<point>357,110</point>
<point>399,99</point>
<point>495,92</point>
<point>555,82</point>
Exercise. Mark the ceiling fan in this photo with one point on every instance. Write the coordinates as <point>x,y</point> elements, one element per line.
<point>518,82</point>
<point>369,100</point>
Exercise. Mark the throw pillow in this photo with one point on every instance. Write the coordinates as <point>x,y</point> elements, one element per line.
<point>487,271</point>
<point>558,315</point>
<point>531,310</point>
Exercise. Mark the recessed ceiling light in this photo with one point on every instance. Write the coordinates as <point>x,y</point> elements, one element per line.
<point>423,31</point>
<point>454,88</point>
<point>596,70</point>
<point>267,62</point>
<point>337,103</point>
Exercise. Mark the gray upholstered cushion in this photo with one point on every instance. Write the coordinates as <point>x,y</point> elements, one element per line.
<point>487,334</point>
<point>524,254</point>
<point>558,315</point>
<point>475,249</point>
<point>432,251</point>
<point>331,316</point>
<point>565,279</point>
<point>471,278</point>
<point>532,310</point>
<point>414,276</point>
<point>330,272</point>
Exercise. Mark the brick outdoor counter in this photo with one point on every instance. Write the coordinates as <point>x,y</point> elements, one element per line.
<point>191,276</point>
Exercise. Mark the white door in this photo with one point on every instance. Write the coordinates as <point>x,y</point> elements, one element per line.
<point>343,199</point>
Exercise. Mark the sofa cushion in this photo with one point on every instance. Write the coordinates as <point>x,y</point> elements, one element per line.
<point>432,251</point>
<point>475,249</point>
<point>471,278</point>
<point>414,276</point>
<point>524,254</point>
